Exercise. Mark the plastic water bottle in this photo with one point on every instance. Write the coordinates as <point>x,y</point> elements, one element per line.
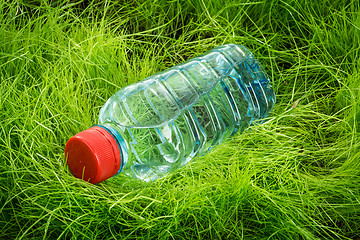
<point>154,126</point>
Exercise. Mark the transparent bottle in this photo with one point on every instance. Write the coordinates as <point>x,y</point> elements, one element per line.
<point>154,126</point>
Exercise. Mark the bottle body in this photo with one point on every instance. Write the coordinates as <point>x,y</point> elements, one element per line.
<point>164,121</point>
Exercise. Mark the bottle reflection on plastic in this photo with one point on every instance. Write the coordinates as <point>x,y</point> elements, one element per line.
<point>154,126</point>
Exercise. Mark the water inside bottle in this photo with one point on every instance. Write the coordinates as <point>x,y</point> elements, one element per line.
<point>170,117</point>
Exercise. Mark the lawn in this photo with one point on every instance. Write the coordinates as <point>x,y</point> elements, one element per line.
<point>296,176</point>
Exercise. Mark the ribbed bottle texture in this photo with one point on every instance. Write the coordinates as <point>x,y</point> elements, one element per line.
<point>165,120</point>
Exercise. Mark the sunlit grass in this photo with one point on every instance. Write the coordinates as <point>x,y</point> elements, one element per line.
<point>296,176</point>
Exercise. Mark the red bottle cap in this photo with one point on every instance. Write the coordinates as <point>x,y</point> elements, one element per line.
<point>93,155</point>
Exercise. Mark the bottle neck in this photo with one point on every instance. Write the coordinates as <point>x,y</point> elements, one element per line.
<point>120,142</point>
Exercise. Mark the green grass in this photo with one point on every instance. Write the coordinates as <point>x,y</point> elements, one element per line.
<point>297,176</point>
